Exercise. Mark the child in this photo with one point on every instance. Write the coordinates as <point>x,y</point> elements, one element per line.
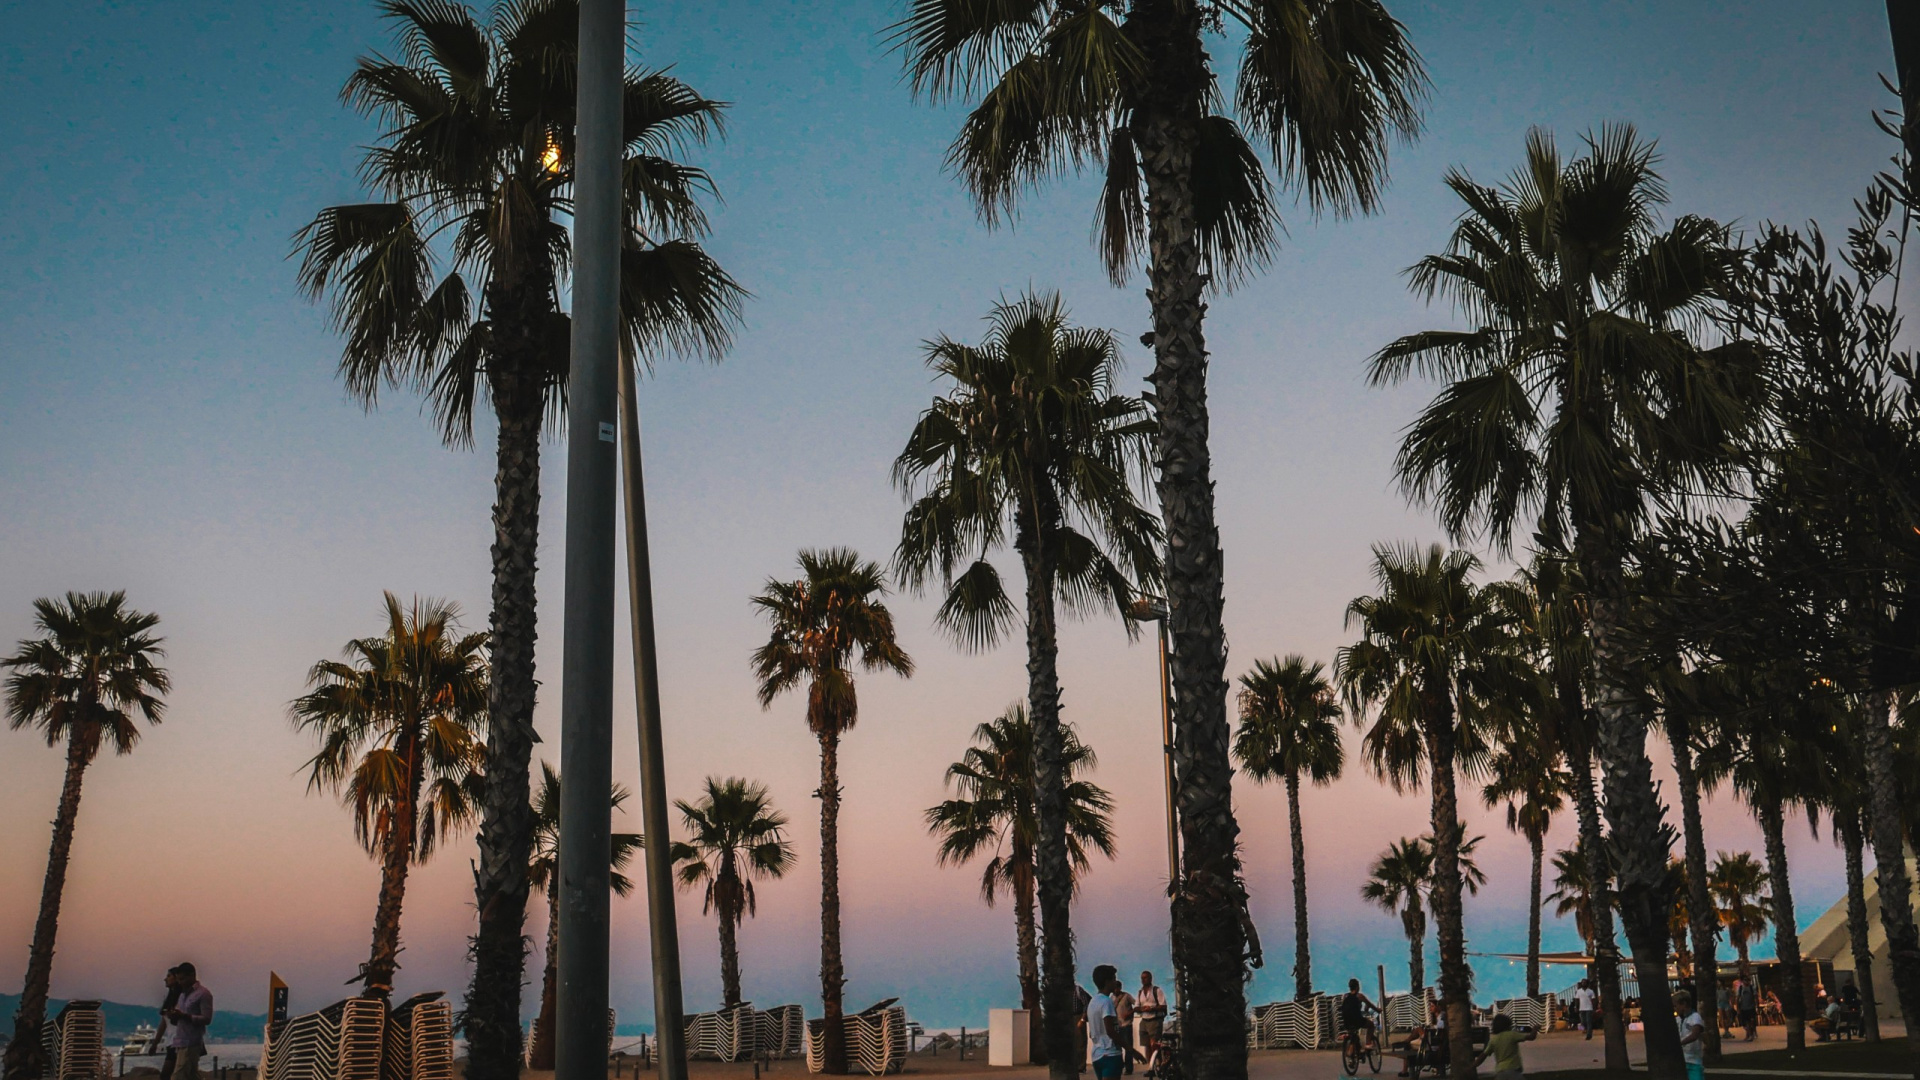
<point>1693,1033</point>
<point>1504,1048</point>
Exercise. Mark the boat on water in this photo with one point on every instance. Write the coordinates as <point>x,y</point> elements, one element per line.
<point>137,1042</point>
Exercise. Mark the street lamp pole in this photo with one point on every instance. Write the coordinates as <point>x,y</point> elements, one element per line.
<point>1154,610</point>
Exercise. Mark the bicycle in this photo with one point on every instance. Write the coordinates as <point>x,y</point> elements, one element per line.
<point>1163,1059</point>
<point>1354,1050</point>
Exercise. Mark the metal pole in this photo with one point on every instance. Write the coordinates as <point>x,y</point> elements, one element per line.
<point>586,693</point>
<point>1173,820</point>
<point>670,1033</point>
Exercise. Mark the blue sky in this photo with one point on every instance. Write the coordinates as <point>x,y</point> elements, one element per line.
<point>170,423</point>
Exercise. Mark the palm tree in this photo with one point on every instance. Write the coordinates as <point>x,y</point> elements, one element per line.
<point>1032,441</point>
<point>1436,656</point>
<point>1575,394</point>
<point>1398,883</point>
<point>734,836</point>
<point>543,874</point>
<point>450,283</point>
<point>82,680</point>
<point>1738,883</point>
<point>1290,726</point>
<point>818,622</point>
<point>1528,777</point>
<point>1128,86</point>
<point>1686,722</point>
<point>1574,893</point>
<point>398,720</point>
<point>995,809</point>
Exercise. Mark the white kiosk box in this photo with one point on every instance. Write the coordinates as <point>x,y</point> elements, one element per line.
<point>1009,1035</point>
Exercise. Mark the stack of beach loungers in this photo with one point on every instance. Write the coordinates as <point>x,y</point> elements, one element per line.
<point>1404,1012</point>
<point>744,1032</point>
<point>419,1040</point>
<point>75,1042</point>
<point>1312,1024</point>
<point>1535,1012</point>
<point>876,1041</point>
<point>343,1041</point>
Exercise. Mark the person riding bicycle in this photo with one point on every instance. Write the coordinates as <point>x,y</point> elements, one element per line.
<point>1354,1021</point>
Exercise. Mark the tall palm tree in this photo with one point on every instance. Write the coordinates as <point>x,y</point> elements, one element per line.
<point>83,680</point>
<point>450,283</point>
<point>1398,883</point>
<point>1436,656</point>
<point>1549,603</point>
<point>734,835</point>
<point>819,621</point>
<point>1529,779</point>
<point>543,874</point>
<point>1688,724</point>
<point>995,809</point>
<point>1738,883</point>
<point>398,720</point>
<point>1576,392</point>
<point>1031,441</point>
<point>1129,87</point>
<point>1289,727</point>
<point>1574,893</point>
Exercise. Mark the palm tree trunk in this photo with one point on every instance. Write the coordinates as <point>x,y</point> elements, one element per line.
<point>1039,515</point>
<point>1700,914</point>
<point>1890,866</point>
<point>1027,944</point>
<point>1210,939</point>
<point>1302,956</point>
<point>396,856</point>
<point>1853,842</point>
<point>1537,841</point>
<point>1786,932</point>
<point>1417,954</point>
<point>1633,811</point>
<point>729,959</point>
<point>506,814</point>
<point>26,1057</point>
<point>1606,965</point>
<point>1456,984</point>
<point>540,1053</point>
<point>833,973</point>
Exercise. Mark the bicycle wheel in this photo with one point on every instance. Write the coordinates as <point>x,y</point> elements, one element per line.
<point>1373,1057</point>
<point>1350,1057</point>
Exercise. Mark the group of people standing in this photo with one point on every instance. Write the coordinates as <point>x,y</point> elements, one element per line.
<point>1110,1022</point>
<point>187,1009</point>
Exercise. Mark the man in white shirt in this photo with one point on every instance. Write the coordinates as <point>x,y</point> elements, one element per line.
<point>1583,1003</point>
<point>1150,1005</point>
<point>1693,1034</point>
<point>1103,1027</point>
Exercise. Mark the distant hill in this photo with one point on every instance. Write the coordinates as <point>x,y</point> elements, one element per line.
<point>122,1019</point>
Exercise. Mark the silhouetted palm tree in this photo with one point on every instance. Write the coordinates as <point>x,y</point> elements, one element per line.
<point>734,835</point>
<point>1528,777</point>
<point>1739,886</point>
<point>1398,883</point>
<point>543,873</point>
<point>451,282</point>
<point>818,623</point>
<point>1032,442</point>
<point>1575,394</point>
<point>399,724</point>
<point>82,681</point>
<point>1290,727</point>
<point>995,810</point>
<point>1129,86</point>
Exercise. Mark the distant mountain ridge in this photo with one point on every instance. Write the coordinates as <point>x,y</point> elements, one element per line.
<point>122,1019</point>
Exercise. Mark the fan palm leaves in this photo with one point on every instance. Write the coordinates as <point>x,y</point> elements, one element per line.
<point>1528,778</point>
<point>1033,446</point>
<point>1738,884</point>
<point>449,282</point>
<point>818,623</point>
<point>995,810</point>
<point>399,722</point>
<point>1127,88</point>
<point>1289,728</point>
<point>1578,393</point>
<point>1437,665</point>
<point>543,874</point>
<point>1398,883</point>
<point>734,836</point>
<point>1575,892</point>
<point>88,680</point>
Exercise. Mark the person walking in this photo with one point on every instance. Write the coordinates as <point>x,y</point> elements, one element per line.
<point>1693,1035</point>
<point>1503,1046</point>
<point>173,998</point>
<point>1583,1001</point>
<point>1723,1015</point>
<point>190,1016</point>
<point>1749,1005</point>
<point>1103,1027</point>
<point>1123,1013</point>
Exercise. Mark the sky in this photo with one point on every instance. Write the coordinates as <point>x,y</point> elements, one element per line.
<point>170,424</point>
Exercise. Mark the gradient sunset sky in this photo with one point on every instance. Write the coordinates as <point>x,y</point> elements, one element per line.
<point>170,424</point>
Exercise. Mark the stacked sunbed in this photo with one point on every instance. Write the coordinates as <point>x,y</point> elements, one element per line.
<point>75,1042</point>
<point>876,1041</point>
<point>1405,1012</point>
<point>1535,1012</point>
<point>343,1041</point>
<point>419,1040</point>
<point>1282,1025</point>
<point>744,1032</point>
<point>783,1032</point>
